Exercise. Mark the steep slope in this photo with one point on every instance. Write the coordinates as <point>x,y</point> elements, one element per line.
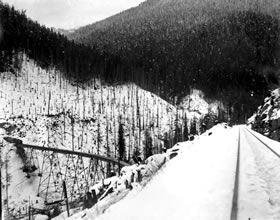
<point>266,120</point>
<point>43,107</point>
<point>203,180</point>
<point>131,181</point>
<point>219,47</point>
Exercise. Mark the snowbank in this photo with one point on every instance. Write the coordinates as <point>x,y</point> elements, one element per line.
<point>196,184</point>
<point>131,181</point>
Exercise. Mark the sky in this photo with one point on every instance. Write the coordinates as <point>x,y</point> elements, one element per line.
<point>68,14</point>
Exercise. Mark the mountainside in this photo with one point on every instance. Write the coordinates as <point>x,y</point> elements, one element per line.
<point>227,49</point>
<point>200,183</point>
<point>101,108</point>
<point>64,32</point>
<point>154,169</point>
<point>58,94</point>
<point>44,108</point>
<point>266,120</point>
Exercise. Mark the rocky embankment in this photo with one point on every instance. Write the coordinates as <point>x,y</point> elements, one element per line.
<point>267,118</point>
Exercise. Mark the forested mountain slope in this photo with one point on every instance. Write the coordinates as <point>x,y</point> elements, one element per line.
<point>87,95</point>
<point>59,94</point>
<point>44,108</point>
<point>228,49</point>
<point>47,48</point>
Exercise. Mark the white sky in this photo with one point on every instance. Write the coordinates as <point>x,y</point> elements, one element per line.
<point>69,14</point>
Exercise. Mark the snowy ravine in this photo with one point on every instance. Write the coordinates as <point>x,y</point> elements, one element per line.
<point>200,182</point>
<point>42,107</point>
<point>40,101</point>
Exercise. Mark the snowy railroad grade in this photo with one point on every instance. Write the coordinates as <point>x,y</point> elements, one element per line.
<point>197,184</point>
<point>131,181</point>
<point>203,182</point>
<point>250,198</point>
<point>260,177</point>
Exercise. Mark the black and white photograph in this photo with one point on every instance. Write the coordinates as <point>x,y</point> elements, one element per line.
<point>140,109</point>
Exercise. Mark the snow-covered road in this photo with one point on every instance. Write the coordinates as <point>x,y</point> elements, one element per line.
<point>206,180</point>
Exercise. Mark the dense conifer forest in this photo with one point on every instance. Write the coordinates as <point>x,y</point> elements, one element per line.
<point>229,50</point>
<point>76,106</point>
<point>47,47</point>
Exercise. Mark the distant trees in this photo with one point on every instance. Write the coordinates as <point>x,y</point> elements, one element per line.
<point>218,47</point>
<point>49,48</point>
<point>148,144</point>
<point>193,128</point>
<point>186,130</point>
<point>219,51</point>
<point>121,143</point>
<point>178,128</point>
<point>210,120</point>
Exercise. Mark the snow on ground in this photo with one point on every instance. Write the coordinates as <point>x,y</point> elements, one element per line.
<point>195,103</point>
<point>267,118</point>
<point>274,145</point>
<point>131,181</point>
<point>43,104</point>
<point>21,190</point>
<point>42,107</point>
<point>197,184</point>
<point>252,198</point>
<point>265,177</point>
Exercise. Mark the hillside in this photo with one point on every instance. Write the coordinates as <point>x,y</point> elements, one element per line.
<point>59,94</point>
<point>48,48</point>
<point>202,182</point>
<point>266,120</point>
<point>227,49</point>
<point>108,105</point>
<point>42,107</point>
